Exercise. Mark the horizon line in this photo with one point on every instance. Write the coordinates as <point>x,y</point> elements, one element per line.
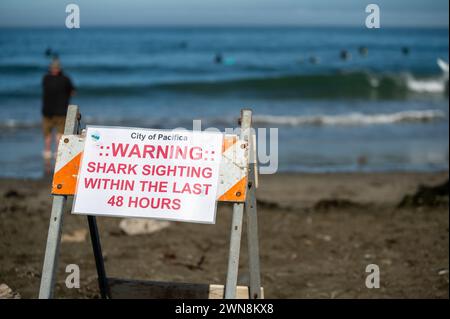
<point>392,26</point>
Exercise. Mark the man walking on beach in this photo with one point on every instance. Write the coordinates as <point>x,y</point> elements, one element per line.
<point>57,90</point>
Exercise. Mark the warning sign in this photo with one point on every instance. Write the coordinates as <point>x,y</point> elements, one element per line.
<point>163,174</point>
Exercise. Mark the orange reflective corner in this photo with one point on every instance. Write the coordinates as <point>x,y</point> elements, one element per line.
<point>65,180</point>
<point>236,193</point>
<point>228,141</point>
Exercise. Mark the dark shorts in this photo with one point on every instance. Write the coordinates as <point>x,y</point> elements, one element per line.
<point>53,122</point>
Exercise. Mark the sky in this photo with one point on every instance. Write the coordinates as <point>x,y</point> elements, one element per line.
<point>394,13</point>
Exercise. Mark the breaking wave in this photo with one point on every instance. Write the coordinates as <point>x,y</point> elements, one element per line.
<point>352,118</point>
<point>336,85</point>
<point>349,119</point>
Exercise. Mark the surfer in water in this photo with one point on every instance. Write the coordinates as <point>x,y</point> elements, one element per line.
<point>345,55</point>
<point>218,59</point>
<point>405,51</point>
<point>314,60</point>
<point>363,51</point>
<point>49,53</point>
<point>444,68</point>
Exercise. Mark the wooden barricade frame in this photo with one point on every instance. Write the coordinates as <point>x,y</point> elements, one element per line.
<point>240,190</point>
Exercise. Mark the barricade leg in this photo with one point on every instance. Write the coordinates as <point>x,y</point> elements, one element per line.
<point>56,221</point>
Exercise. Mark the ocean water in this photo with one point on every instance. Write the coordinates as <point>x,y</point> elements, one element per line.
<point>377,112</point>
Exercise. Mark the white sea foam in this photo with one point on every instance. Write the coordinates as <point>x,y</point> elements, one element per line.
<point>352,118</point>
<point>430,85</point>
<point>437,85</point>
<point>285,120</point>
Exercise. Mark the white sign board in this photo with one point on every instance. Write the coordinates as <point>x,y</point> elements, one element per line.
<point>164,174</point>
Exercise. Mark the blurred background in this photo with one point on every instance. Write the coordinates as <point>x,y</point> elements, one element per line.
<point>344,97</point>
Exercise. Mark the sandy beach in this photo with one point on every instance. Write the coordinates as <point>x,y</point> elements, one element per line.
<point>318,232</point>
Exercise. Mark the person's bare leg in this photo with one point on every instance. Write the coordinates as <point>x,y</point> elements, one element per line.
<point>47,154</point>
<point>48,146</point>
<point>57,138</point>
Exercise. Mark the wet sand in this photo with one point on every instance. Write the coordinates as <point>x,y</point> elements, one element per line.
<point>318,232</point>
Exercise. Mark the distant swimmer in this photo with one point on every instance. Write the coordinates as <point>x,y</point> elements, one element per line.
<point>183,45</point>
<point>345,55</point>
<point>314,60</point>
<point>363,51</point>
<point>405,50</point>
<point>218,59</point>
<point>48,52</point>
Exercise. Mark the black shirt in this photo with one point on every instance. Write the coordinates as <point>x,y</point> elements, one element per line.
<point>57,90</point>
